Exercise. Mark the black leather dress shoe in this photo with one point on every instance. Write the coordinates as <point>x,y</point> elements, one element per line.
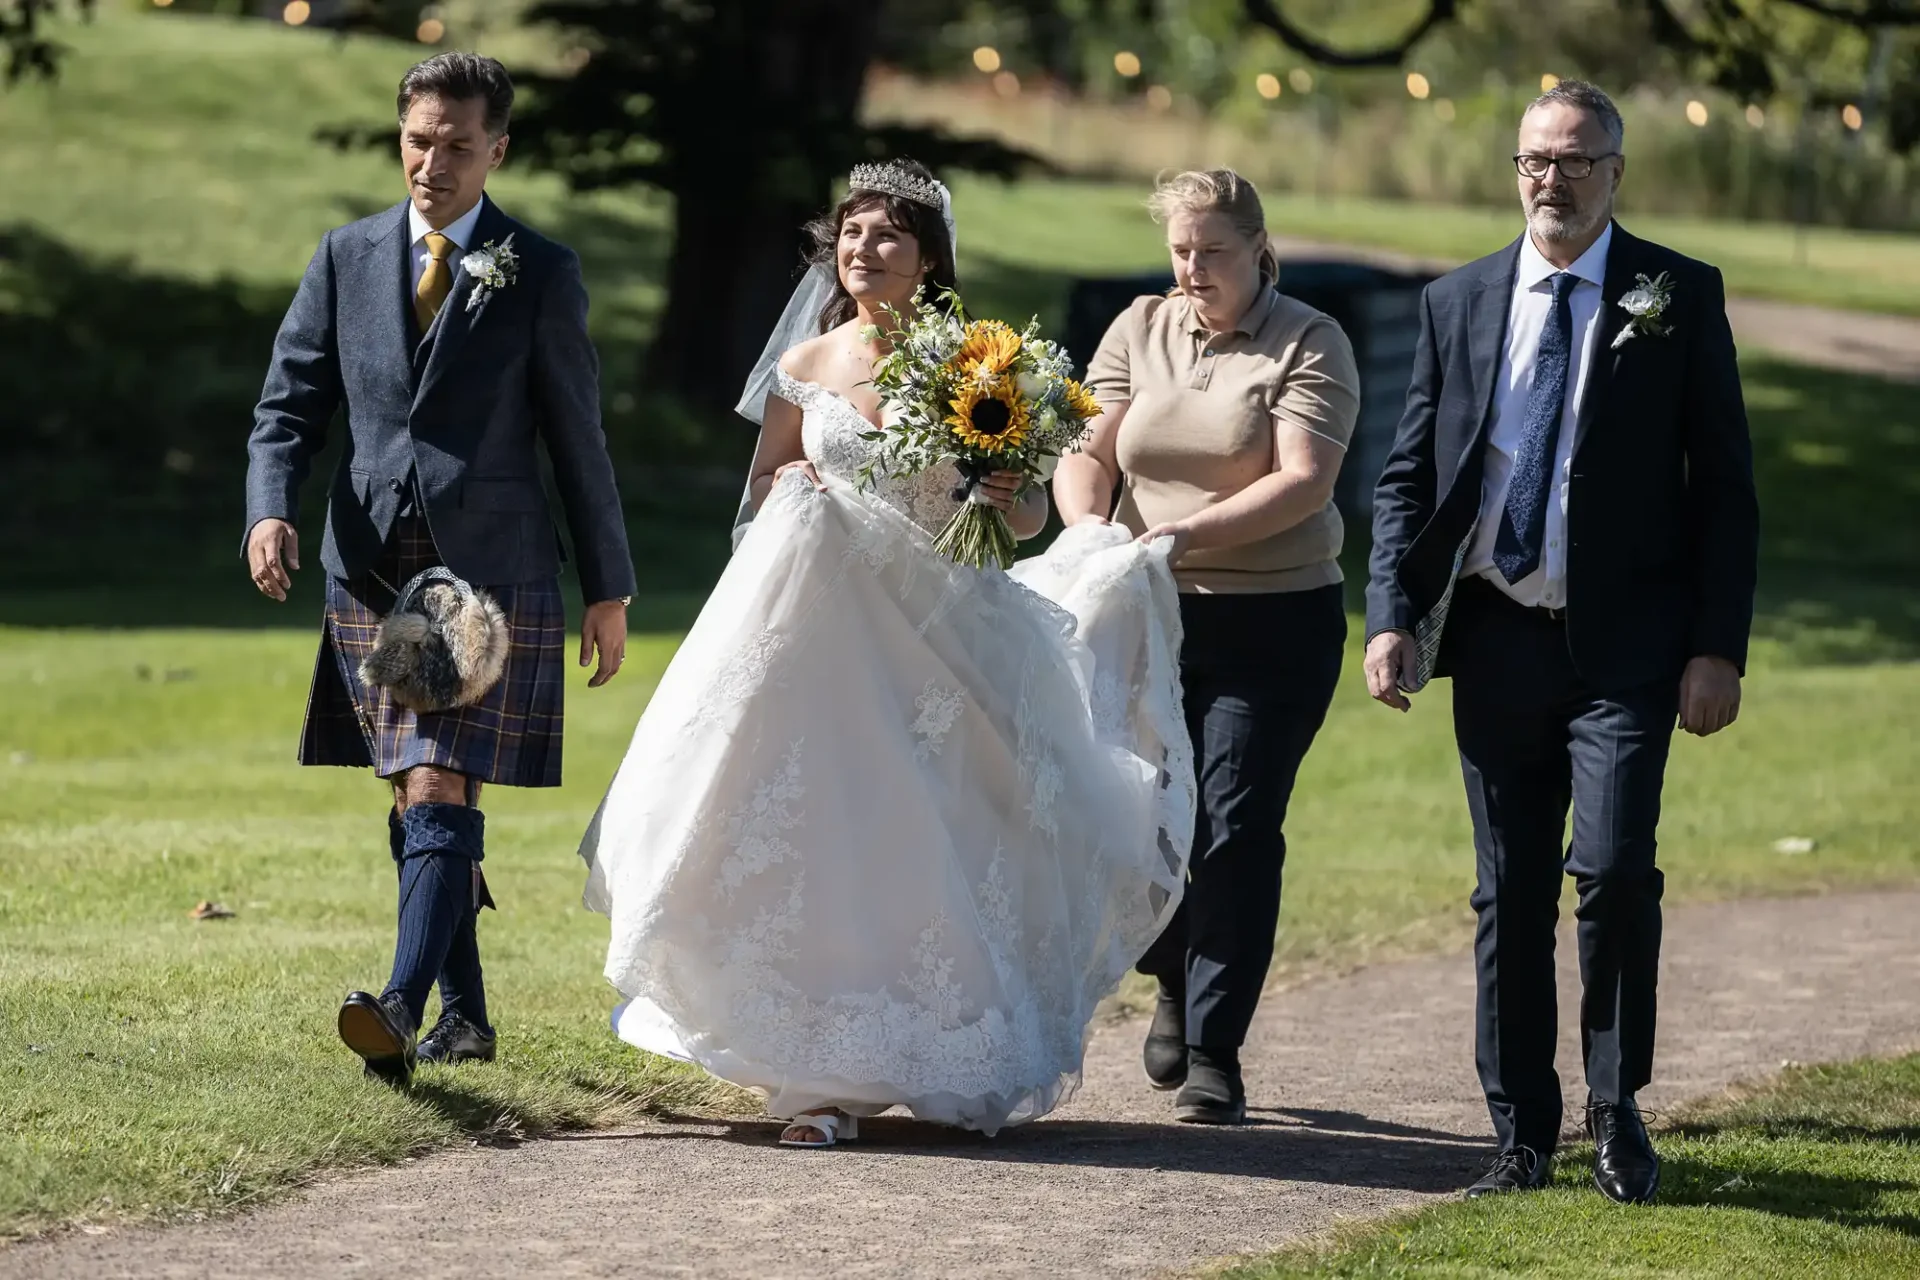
<point>380,1032</point>
<point>1515,1169</point>
<point>1165,1053</point>
<point>454,1039</point>
<point>1625,1167</point>
<point>1213,1093</point>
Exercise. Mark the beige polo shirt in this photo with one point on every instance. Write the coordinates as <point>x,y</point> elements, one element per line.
<point>1200,427</point>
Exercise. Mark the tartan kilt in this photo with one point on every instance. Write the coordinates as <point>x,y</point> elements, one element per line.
<point>511,737</point>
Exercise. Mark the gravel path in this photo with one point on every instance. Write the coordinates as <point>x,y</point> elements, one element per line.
<point>1855,341</point>
<point>1365,1102</point>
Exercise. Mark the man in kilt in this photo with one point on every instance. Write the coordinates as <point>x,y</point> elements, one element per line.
<point>454,338</point>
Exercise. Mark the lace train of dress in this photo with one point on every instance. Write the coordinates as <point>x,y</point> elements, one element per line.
<point>891,827</point>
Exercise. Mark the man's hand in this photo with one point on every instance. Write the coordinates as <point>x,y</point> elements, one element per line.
<point>1393,661</point>
<point>604,629</point>
<point>273,549</point>
<point>1709,695</point>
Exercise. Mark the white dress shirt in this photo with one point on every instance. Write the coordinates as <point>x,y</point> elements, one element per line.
<point>1546,586</point>
<point>460,231</point>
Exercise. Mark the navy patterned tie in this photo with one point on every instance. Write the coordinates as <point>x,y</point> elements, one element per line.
<point>1516,548</point>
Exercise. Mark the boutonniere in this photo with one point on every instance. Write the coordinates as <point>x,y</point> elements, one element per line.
<point>491,268</point>
<point>1646,308</point>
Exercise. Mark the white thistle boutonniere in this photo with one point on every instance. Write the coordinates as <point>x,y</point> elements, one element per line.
<point>1646,308</point>
<point>491,268</point>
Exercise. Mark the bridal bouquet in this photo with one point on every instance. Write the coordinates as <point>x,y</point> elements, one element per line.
<point>982,396</point>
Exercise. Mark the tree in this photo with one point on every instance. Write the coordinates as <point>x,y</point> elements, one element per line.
<point>1269,14</point>
<point>1737,44</point>
<point>29,51</point>
<point>744,111</point>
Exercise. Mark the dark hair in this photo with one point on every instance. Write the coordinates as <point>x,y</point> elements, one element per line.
<point>924,223</point>
<point>461,77</point>
<point>1589,98</point>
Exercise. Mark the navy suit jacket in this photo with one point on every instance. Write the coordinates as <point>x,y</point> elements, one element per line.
<point>1662,520</point>
<point>458,411</point>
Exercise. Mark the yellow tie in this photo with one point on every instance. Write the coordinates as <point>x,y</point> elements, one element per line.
<point>436,282</point>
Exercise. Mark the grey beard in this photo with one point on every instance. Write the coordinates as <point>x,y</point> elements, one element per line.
<point>1563,224</point>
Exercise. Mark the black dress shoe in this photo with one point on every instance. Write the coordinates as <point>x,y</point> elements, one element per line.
<point>1213,1093</point>
<point>1515,1169</point>
<point>454,1039</point>
<point>1165,1053</point>
<point>1625,1167</point>
<point>379,1030</point>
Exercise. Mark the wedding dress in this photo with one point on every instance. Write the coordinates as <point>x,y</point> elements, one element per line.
<point>891,827</point>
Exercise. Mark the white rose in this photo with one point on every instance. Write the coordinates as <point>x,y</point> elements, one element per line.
<point>1638,302</point>
<point>1031,385</point>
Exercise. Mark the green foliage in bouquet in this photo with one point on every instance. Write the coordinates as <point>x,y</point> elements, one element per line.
<point>982,396</point>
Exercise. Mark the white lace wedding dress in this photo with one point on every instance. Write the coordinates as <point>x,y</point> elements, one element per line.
<point>891,827</point>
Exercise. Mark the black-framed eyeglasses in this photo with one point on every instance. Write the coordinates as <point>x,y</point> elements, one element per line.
<point>1571,167</point>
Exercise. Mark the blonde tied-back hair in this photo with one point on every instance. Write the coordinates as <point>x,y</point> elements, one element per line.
<point>1216,191</point>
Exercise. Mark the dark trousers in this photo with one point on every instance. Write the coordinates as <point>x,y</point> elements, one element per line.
<point>1258,673</point>
<point>1536,740</point>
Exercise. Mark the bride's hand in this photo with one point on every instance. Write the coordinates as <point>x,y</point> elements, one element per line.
<point>805,468</point>
<point>1001,489</point>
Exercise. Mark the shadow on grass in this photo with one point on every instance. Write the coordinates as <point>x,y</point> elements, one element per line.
<point>1808,1129</point>
<point>1843,1201</point>
<point>1837,461</point>
<point>488,1121</point>
<point>460,1097</point>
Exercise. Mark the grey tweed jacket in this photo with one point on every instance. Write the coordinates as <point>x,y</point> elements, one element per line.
<point>458,410</point>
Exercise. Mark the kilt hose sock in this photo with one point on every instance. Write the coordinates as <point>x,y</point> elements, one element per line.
<point>440,846</point>
<point>463,989</point>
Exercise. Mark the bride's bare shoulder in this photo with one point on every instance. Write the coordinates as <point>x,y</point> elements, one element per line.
<point>812,360</point>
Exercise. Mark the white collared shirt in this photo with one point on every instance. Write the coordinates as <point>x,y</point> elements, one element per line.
<point>1546,586</point>
<point>460,231</point>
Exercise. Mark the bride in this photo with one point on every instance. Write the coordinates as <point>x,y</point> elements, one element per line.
<point>891,826</point>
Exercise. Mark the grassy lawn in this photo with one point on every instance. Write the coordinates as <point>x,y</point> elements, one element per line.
<point>152,1065</point>
<point>1104,227</point>
<point>1853,270</point>
<point>1817,1174</point>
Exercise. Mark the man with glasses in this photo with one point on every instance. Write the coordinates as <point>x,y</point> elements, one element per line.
<point>1567,528</point>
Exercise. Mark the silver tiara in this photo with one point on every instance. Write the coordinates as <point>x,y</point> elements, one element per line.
<point>891,179</point>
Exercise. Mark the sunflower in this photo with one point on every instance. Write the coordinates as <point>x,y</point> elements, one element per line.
<point>980,374</point>
<point>1081,401</point>
<point>991,345</point>
<point>992,421</point>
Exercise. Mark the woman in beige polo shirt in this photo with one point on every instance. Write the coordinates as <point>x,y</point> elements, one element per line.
<point>1228,407</point>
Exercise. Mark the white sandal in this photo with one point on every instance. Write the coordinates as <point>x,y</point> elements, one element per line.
<point>837,1126</point>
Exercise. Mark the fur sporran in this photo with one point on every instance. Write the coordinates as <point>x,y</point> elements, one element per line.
<point>443,646</point>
